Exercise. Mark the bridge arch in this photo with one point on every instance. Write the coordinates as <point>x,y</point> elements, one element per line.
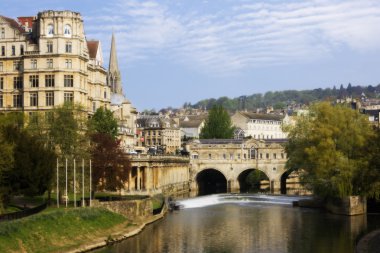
<point>211,181</point>
<point>253,180</point>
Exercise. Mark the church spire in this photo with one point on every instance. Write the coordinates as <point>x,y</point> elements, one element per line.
<point>114,77</point>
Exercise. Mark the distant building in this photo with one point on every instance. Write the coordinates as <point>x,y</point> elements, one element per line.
<point>160,132</point>
<point>191,125</point>
<point>259,126</point>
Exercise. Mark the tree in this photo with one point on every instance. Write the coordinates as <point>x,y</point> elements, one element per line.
<point>67,131</point>
<point>110,165</point>
<point>218,124</point>
<point>104,122</point>
<point>330,148</point>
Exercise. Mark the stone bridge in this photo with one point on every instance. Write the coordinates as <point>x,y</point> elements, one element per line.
<point>228,162</point>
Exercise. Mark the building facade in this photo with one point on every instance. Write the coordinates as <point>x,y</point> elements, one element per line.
<point>259,126</point>
<point>46,61</point>
<point>160,132</point>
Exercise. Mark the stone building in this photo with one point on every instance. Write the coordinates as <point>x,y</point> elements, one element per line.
<point>191,125</point>
<point>159,131</point>
<point>46,61</point>
<point>260,126</point>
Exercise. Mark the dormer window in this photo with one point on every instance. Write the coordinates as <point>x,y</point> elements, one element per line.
<point>67,31</point>
<point>50,30</point>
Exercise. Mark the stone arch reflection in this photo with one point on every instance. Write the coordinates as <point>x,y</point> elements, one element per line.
<point>211,181</point>
<point>253,180</point>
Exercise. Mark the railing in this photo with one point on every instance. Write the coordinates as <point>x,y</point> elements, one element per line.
<point>32,52</point>
<point>23,213</point>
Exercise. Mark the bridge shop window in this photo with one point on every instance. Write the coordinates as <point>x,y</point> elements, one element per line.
<point>267,155</point>
<point>261,156</point>
<point>274,156</point>
<point>209,156</point>
<point>224,156</point>
<point>282,155</point>
<point>253,153</point>
<point>2,50</point>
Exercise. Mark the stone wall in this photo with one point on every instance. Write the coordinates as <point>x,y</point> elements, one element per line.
<point>132,209</point>
<point>353,205</point>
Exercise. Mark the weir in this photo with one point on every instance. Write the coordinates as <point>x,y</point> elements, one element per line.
<point>217,199</point>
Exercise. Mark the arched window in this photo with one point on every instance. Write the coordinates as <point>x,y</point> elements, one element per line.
<point>67,30</point>
<point>50,30</point>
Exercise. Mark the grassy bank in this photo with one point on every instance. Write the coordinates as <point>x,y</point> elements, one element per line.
<point>57,230</point>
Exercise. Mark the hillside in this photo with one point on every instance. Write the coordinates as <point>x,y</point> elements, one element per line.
<point>283,99</point>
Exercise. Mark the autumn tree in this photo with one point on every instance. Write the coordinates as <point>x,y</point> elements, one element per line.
<point>218,125</point>
<point>330,146</point>
<point>110,165</point>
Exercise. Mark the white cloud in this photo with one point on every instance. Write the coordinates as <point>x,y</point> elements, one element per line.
<point>240,36</point>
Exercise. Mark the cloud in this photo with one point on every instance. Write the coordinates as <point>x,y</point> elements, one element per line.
<point>239,35</point>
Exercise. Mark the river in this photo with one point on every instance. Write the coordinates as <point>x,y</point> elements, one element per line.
<point>239,223</point>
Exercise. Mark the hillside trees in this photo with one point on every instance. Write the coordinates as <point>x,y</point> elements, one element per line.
<point>332,146</point>
<point>218,125</point>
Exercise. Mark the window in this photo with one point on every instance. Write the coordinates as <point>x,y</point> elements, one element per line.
<point>93,106</point>
<point>274,156</point>
<point>68,97</point>
<point>105,94</point>
<point>67,31</point>
<point>17,100</point>
<point>17,65</point>
<point>267,156</point>
<point>49,47</point>
<point>34,99</point>
<point>1,100</point>
<point>33,64</point>
<point>17,82</point>
<point>13,50</point>
<point>282,155</point>
<point>49,63</point>
<point>68,81</point>
<point>1,83</point>
<point>2,33</point>
<point>33,81</point>
<point>209,156</point>
<point>50,30</point>
<point>22,50</point>
<point>1,66</point>
<point>49,81</point>
<point>68,63</point>
<point>68,47</point>
<point>2,50</point>
<point>49,98</point>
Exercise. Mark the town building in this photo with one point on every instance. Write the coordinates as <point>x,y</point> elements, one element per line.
<point>46,61</point>
<point>191,126</point>
<point>159,132</point>
<point>259,126</point>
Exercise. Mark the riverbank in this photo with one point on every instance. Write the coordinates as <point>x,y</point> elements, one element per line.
<point>68,230</point>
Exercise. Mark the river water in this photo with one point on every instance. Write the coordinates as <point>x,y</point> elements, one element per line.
<point>248,223</point>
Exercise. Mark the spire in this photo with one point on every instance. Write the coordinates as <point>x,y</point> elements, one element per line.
<point>114,78</point>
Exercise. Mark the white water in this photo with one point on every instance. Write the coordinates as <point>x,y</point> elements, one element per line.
<point>217,199</point>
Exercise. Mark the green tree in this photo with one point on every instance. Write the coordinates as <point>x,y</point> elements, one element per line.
<point>218,124</point>
<point>67,130</point>
<point>103,121</point>
<point>330,147</point>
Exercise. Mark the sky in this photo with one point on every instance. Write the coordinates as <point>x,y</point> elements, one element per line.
<point>176,51</point>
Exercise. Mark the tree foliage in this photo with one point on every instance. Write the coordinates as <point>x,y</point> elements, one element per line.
<point>110,165</point>
<point>103,122</point>
<point>280,99</point>
<point>67,131</point>
<point>218,125</point>
<point>330,146</point>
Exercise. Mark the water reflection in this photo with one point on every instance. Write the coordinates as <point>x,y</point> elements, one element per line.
<point>241,228</point>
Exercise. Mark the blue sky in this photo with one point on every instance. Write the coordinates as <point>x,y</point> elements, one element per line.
<point>173,51</point>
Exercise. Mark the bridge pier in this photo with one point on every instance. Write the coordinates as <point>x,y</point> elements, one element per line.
<point>233,186</point>
<point>275,186</point>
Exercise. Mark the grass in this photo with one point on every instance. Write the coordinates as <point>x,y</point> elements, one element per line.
<point>157,201</point>
<point>56,230</point>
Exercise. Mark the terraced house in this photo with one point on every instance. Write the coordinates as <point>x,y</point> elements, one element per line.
<point>46,61</point>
